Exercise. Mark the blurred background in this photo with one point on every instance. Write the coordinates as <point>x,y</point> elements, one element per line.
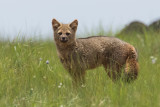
<point>30,18</point>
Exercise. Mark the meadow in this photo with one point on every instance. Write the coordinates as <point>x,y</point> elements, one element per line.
<point>31,75</point>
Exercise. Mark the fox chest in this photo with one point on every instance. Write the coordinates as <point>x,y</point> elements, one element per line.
<point>74,60</point>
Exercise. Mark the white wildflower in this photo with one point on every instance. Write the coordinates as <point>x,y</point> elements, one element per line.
<point>61,106</point>
<point>83,85</point>
<point>15,48</point>
<point>60,83</point>
<point>153,59</point>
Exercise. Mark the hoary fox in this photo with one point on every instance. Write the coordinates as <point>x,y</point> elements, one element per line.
<point>79,55</point>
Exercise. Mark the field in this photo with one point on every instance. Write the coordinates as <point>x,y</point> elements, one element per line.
<point>31,75</point>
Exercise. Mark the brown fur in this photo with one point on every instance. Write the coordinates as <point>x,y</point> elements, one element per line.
<point>79,55</point>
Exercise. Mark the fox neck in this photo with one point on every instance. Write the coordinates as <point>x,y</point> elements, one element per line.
<point>66,46</point>
<point>65,50</point>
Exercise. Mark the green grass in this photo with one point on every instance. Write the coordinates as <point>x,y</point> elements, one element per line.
<point>27,81</point>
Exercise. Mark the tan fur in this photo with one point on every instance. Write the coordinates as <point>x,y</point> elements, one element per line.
<point>79,55</point>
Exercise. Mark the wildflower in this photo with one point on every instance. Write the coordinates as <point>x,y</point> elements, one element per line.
<point>153,59</point>
<point>40,59</point>
<point>34,76</point>
<point>15,48</point>
<point>61,106</point>
<point>47,62</point>
<point>59,86</point>
<point>83,86</point>
<point>44,77</point>
<point>31,89</point>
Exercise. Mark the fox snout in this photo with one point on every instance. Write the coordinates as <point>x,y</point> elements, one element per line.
<point>63,39</point>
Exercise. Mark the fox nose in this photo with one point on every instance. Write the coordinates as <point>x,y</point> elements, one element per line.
<point>63,38</point>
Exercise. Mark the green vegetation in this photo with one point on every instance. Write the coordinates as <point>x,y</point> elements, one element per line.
<point>26,80</point>
<point>133,28</point>
<point>137,27</point>
<point>155,26</point>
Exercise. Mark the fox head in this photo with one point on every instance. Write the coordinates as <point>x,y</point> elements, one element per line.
<point>64,33</point>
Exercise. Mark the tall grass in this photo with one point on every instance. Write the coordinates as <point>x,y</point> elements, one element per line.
<point>27,80</point>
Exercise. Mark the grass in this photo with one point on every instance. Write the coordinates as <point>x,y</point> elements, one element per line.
<point>26,80</point>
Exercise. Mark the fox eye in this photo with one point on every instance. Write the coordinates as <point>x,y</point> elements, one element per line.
<point>60,33</point>
<point>67,34</point>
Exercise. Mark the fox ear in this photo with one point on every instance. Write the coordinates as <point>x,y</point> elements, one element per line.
<point>74,25</point>
<point>55,24</point>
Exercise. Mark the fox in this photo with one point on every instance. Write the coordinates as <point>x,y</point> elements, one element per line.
<point>80,54</point>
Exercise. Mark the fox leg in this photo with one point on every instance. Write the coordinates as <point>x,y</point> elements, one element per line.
<point>131,68</point>
<point>113,71</point>
<point>78,78</point>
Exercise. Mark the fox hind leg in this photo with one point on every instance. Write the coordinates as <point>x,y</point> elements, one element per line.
<point>113,71</point>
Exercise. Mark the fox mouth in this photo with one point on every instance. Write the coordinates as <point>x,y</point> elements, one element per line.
<point>63,41</point>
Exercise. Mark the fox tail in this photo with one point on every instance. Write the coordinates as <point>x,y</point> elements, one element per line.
<point>132,67</point>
